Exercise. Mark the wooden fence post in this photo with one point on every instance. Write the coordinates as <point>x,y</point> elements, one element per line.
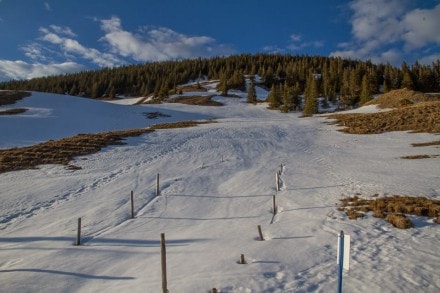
<point>261,233</point>
<point>242,260</point>
<point>132,204</point>
<point>78,235</point>
<point>213,290</point>
<point>157,185</point>
<point>163,262</point>
<point>277,178</point>
<point>274,206</point>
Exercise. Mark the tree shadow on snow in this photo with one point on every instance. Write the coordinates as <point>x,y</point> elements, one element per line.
<point>79,275</point>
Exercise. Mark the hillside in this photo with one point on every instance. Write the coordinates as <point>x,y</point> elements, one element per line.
<point>217,182</point>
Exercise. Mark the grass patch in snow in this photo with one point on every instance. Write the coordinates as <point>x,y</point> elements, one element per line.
<point>421,117</point>
<point>193,88</point>
<point>195,100</point>
<point>13,111</point>
<point>392,208</point>
<point>11,97</point>
<point>423,144</point>
<point>416,157</point>
<point>400,98</point>
<point>62,151</point>
<point>181,124</point>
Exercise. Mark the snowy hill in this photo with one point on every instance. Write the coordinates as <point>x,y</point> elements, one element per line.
<point>217,183</point>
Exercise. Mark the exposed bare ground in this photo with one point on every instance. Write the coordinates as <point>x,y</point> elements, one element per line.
<point>182,124</point>
<point>421,117</point>
<point>424,144</point>
<point>64,150</point>
<point>401,98</point>
<point>413,111</point>
<point>13,111</point>
<point>392,208</point>
<point>193,88</point>
<point>11,97</point>
<point>195,100</point>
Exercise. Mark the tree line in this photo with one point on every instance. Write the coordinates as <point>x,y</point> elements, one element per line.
<point>288,76</point>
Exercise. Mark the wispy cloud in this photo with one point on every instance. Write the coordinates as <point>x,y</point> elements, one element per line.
<point>294,43</point>
<point>47,6</point>
<point>377,25</point>
<point>158,43</point>
<point>63,38</point>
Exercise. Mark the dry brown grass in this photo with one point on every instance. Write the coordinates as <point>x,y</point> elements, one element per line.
<point>192,88</point>
<point>399,221</point>
<point>417,157</point>
<point>13,111</point>
<point>424,144</point>
<point>11,97</point>
<point>421,117</point>
<point>413,111</point>
<point>61,151</point>
<point>182,124</point>
<point>356,207</point>
<point>195,100</point>
<point>400,98</point>
<point>64,150</point>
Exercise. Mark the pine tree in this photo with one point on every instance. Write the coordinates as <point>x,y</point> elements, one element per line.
<point>407,81</point>
<point>273,98</point>
<point>223,85</point>
<point>251,92</point>
<point>365,94</point>
<point>287,99</point>
<point>311,96</point>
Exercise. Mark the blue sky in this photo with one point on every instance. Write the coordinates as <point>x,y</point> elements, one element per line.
<point>44,37</point>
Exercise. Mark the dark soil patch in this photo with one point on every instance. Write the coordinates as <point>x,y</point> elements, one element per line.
<point>155,115</point>
<point>11,97</point>
<point>13,111</point>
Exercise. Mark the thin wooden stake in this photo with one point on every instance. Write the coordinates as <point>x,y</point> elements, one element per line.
<point>132,205</point>
<point>274,206</point>
<point>277,178</point>
<point>157,185</point>
<point>78,235</point>
<point>213,290</point>
<point>242,260</point>
<point>163,255</point>
<point>261,233</point>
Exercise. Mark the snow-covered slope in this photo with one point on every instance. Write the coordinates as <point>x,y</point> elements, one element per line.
<point>52,116</point>
<point>217,183</point>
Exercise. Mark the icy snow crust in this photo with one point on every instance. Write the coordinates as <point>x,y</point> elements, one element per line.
<point>217,183</point>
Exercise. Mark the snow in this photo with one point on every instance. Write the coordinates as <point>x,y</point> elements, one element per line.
<point>217,183</point>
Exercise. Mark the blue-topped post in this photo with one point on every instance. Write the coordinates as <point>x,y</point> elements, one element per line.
<point>341,260</point>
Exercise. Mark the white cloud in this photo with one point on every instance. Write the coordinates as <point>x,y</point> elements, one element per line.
<point>156,44</point>
<point>378,25</point>
<point>60,36</point>
<point>428,60</point>
<point>422,26</point>
<point>300,46</point>
<point>57,49</point>
<point>23,70</point>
